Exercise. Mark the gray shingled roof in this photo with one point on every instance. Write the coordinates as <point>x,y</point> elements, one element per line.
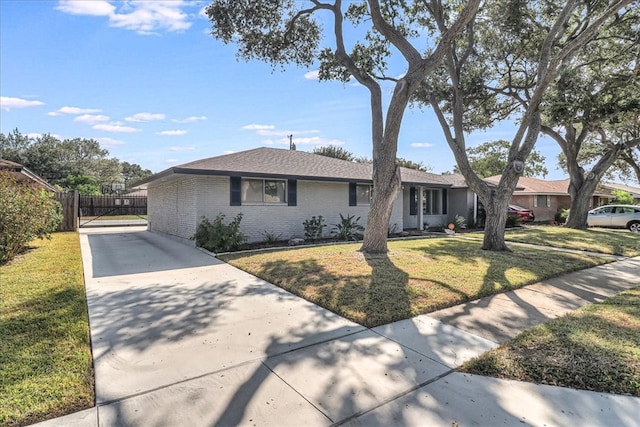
<point>279,163</point>
<point>21,174</point>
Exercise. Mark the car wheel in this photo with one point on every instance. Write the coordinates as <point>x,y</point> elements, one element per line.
<point>634,227</point>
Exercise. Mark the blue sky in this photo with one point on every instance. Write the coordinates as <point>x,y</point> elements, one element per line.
<point>148,82</point>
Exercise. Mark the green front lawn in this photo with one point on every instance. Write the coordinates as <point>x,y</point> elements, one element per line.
<point>595,348</point>
<point>614,242</point>
<point>415,277</point>
<point>112,217</point>
<point>45,355</point>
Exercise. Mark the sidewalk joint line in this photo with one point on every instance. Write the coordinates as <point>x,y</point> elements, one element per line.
<point>297,392</point>
<point>392,398</point>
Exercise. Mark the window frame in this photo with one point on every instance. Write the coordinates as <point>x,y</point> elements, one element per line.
<point>538,197</point>
<point>264,195</point>
<point>432,201</point>
<point>370,191</point>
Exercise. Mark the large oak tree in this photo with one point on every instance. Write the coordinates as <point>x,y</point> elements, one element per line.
<point>289,31</point>
<point>592,111</point>
<point>502,68</point>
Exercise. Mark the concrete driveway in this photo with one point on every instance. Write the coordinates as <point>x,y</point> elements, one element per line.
<point>180,338</point>
<point>175,322</point>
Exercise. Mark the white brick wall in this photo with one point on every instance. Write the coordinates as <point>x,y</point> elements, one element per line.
<point>172,208</point>
<point>177,207</point>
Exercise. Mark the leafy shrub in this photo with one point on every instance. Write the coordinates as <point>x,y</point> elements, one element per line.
<point>313,227</point>
<point>460,222</point>
<point>26,213</point>
<point>348,228</point>
<point>561,216</point>
<point>218,237</point>
<point>271,236</point>
<point>622,197</point>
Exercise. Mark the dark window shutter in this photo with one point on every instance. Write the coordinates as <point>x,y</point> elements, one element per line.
<point>413,203</point>
<point>236,192</point>
<point>444,201</point>
<point>292,192</point>
<point>353,200</point>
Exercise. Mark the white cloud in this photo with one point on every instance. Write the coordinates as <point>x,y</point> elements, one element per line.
<point>109,142</point>
<point>270,130</point>
<point>175,132</point>
<point>182,148</point>
<point>91,119</point>
<point>73,111</point>
<point>82,7</point>
<point>191,119</point>
<point>312,75</point>
<point>421,144</point>
<point>144,17</point>
<point>145,117</point>
<point>228,152</point>
<point>7,103</point>
<point>258,127</point>
<point>115,127</point>
<point>314,140</point>
<point>172,160</point>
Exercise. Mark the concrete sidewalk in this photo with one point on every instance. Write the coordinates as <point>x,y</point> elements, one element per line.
<point>180,338</point>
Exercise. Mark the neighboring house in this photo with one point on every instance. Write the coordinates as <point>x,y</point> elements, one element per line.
<point>24,176</point>
<point>276,190</point>
<point>605,193</point>
<point>545,198</point>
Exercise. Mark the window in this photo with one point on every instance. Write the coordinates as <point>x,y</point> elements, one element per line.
<point>264,191</point>
<point>432,202</point>
<point>364,194</point>
<point>542,201</point>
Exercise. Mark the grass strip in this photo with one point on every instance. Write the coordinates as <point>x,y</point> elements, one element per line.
<point>415,277</point>
<point>593,240</point>
<point>594,348</point>
<point>45,357</point>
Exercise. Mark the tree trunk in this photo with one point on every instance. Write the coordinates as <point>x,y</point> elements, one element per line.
<point>496,209</point>
<point>385,189</point>
<point>580,190</point>
<point>579,210</point>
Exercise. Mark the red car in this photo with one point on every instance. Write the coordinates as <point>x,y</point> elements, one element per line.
<point>522,214</point>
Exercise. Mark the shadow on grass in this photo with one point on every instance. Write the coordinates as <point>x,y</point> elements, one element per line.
<point>565,353</point>
<point>596,240</point>
<point>371,300</point>
<point>398,285</point>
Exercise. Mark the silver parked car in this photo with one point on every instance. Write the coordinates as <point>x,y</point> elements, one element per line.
<point>619,216</point>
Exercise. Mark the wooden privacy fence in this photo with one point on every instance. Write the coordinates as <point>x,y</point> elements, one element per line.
<point>105,206</point>
<point>69,202</point>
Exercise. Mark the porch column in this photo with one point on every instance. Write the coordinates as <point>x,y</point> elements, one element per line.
<point>420,209</point>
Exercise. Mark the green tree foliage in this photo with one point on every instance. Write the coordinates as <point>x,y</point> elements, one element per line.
<point>592,110</point>
<point>410,164</point>
<point>83,184</point>
<point>133,173</point>
<point>622,197</point>
<point>342,154</point>
<point>335,152</point>
<point>26,213</point>
<point>502,68</point>
<point>69,163</point>
<point>491,158</point>
<point>362,38</point>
